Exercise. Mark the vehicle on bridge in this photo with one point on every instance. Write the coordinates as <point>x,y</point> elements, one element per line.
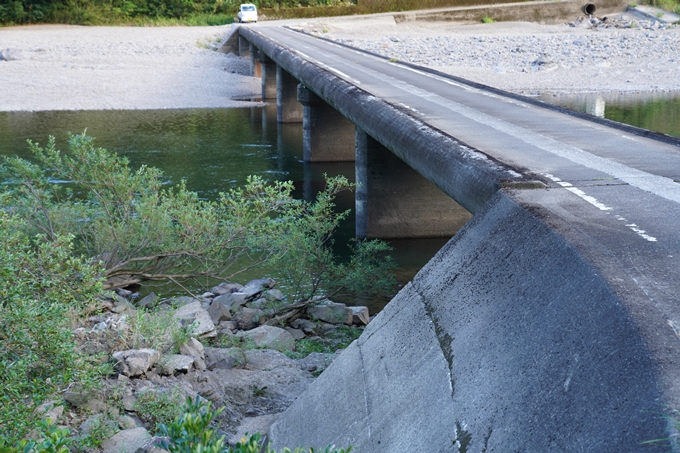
<point>247,13</point>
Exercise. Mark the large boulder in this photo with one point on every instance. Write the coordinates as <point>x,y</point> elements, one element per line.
<point>175,363</point>
<point>255,287</point>
<point>193,313</point>
<point>248,318</point>
<point>135,362</point>
<point>219,312</point>
<point>270,337</point>
<point>224,358</point>
<point>233,301</point>
<point>332,312</point>
<point>126,441</point>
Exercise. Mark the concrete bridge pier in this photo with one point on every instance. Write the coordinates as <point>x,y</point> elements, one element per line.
<point>327,136</point>
<point>288,109</point>
<point>243,47</point>
<point>395,201</point>
<point>268,75</point>
<point>255,66</point>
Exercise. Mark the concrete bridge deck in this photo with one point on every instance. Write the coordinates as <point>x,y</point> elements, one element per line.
<point>551,321</point>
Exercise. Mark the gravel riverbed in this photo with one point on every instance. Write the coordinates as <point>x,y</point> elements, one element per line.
<point>617,55</point>
<point>94,68</point>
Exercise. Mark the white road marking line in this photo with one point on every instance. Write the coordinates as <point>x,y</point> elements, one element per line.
<point>592,200</point>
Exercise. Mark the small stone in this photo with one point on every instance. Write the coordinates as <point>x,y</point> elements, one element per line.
<point>305,325</point>
<point>193,314</point>
<point>219,312</point>
<point>148,301</point>
<point>127,422</point>
<point>224,288</point>
<point>129,403</point>
<point>195,349</point>
<point>273,295</point>
<point>296,333</point>
<point>94,406</point>
<point>248,318</point>
<point>360,316</point>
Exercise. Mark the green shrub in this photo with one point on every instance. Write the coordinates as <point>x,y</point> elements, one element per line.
<point>53,440</point>
<point>41,285</point>
<point>141,230</point>
<point>159,407</point>
<point>194,431</point>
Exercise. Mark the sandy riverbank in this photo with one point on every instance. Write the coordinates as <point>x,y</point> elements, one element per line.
<point>94,68</point>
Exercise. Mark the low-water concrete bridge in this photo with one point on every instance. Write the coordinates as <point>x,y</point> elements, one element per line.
<point>550,322</point>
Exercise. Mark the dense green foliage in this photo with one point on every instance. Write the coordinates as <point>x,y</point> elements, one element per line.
<point>161,12</point>
<point>41,283</point>
<point>95,12</point>
<point>73,224</point>
<point>140,229</point>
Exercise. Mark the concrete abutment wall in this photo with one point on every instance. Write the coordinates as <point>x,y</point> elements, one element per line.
<point>507,341</point>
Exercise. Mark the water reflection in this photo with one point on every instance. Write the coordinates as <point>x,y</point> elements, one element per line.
<point>658,112</point>
<point>214,150</point>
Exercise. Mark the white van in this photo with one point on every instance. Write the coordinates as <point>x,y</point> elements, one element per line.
<point>247,13</point>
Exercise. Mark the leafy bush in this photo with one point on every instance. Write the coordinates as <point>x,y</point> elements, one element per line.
<point>160,407</point>
<point>193,432</point>
<point>140,230</point>
<point>53,440</point>
<point>41,282</point>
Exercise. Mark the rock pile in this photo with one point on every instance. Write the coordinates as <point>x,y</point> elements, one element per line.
<point>232,354</point>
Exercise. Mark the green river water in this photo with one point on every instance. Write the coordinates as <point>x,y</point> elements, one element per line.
<point>216,149</point>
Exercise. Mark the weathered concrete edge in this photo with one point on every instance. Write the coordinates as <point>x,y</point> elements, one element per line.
<point>467,175</point>
<point>230,42</point>
<point>510,339</point>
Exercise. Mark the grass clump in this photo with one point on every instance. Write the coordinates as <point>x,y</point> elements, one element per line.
<point>487,20</point>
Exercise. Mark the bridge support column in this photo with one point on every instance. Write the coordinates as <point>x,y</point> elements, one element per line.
<point>268,77</point>
<point>243,47</point>
<point>327,136</point>
<point>395,201</point>
<point>288,109</point>
<point>255,66</point>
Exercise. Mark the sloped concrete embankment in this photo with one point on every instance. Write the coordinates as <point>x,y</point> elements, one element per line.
<point>510,339</point>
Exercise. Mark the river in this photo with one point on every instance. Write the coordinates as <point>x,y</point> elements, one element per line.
<point>216,149</point>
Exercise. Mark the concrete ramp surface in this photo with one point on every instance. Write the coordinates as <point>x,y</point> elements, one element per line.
<point>509,340</point>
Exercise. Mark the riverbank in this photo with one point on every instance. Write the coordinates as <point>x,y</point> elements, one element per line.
<point>59,67</point>
<point>96,68</point>
<point>619,55</point>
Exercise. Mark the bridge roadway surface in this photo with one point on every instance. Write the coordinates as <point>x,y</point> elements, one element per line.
<point>616,188</point>
<point>622,184</point>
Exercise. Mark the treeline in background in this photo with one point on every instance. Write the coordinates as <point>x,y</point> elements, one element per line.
<point>196,12</point>
<point>140,12</point>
